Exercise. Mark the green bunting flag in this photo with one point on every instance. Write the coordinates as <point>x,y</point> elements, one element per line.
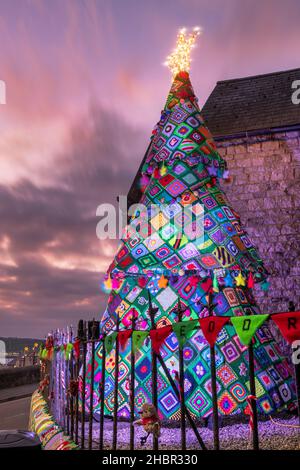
<point>246,326</point>
<point>184,330</point>
<point>138,338</point>
<point>110,341</point>
<point>68,349</point>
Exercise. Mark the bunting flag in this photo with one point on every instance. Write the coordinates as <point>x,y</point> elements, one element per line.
<point>289,325</point>
<point>110,341</point>
<point>211,327</point>
<point>184,330</point>
<point>138,338</point>
<point>158,336</point>
<point>246,326</point>
<point>76,346</point>
<point>67,350</point>
<point>123,337</point>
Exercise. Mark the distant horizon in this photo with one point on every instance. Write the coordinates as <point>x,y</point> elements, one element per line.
<point>84,88</point>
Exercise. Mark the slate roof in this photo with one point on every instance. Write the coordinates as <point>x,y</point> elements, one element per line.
<point>254,103</point>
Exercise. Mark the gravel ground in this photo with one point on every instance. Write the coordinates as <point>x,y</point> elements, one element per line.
<point>282,435</point>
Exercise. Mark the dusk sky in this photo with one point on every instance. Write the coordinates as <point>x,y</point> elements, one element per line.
<point>85,86</point>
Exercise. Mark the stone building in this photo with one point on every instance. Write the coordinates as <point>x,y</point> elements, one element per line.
<point>257,130</point>
<point>256,127</point>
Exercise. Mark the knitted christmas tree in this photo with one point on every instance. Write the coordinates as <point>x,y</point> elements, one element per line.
<point>184,243</point>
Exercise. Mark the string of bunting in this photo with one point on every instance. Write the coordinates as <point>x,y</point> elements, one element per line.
<point>245,327</point>
<point>221,277</point>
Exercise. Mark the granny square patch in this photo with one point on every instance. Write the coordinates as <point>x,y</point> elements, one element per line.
<point>162,252</point>
<point>187,145</point>
<point>189,251</point>
<point>168,129</point>
<point>209,222</point>
<point>189,107</point>
<point>209,202</point>
<point>226,404</point>
<point>226,375</point>
<point>192,121</point>
<point>218,236</point>
<point>179,168</point>
<point>176,187</point>
<point>208,261</point>
<point>172,262</point>
<point>230,352</point>
<point>139,251</point>
<point>183,130</point>
<point>165,180</point>
<point>178,115</point>
<point>168,231</point>
<point>166,298</point>
<point>173,142</point>
<point>238,392</point>
<point>228,213</point>
<point>159,143</point>
<point>163,154</point>
<point>147,260</point>
<point>189,179</point>
<point>159,221</point>
<point>197,137</point>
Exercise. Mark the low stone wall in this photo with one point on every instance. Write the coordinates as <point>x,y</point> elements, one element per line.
<point>12,377</point>
<point>265,172</point>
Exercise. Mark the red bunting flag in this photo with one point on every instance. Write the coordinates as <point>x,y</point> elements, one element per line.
<point>211,327</point>
<point>123,337</point>
<point>158,337</point>
<point>289,325</point>
<point>76,346</point>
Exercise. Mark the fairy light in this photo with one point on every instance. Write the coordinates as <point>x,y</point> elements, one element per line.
<point>180,59</point>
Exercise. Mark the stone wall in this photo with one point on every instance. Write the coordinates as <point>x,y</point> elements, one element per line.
<point>14,376</point>
<point>265,190</point>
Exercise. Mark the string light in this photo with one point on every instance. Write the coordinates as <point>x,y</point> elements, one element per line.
<point>180,59</point>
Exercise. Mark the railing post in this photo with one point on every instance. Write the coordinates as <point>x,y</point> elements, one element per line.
<point>181,385</point>
<point>152,312</point>
<point>292,308</point>
<point>84,348</point>
<point>102,394</point>
<point>211,307</point>
<point>131,392</point>
<point>79,337</point>
<point>255,439</point>
<point>116,391</point>
<point>93,337</point>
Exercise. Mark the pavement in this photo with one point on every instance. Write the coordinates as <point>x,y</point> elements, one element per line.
<point>15,393</point>
<point>15,406</point>
<point>15,414</point>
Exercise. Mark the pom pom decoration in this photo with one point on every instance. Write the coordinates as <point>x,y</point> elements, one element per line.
<point>265,286</point>
<point>115,284</point>
<point>142,282</point>
<point>144,181</point>
<point>107,285</point>
<point>163,170</point>
<point>194,281</point>
<point>156,173</point>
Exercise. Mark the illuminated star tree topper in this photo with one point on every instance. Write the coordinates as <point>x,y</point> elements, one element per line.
<point>180,59</point>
